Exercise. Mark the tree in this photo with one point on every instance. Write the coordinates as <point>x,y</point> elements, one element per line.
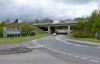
<point>80,25</point>
<point>90,26</point>
<point>46,20</point>
<point>93,22</point>
<point>16,21</point>
<point>79,18</point>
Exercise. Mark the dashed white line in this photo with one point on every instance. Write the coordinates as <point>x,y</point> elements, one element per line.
<point>93,60</point>
<point>56,50</point>
<point>84,58</point>
<point>66,49</point>
<point>69,54</point>
<point>59,51</point>
<point>77,56</point>
<point>64,53</point>
<point>52,49</point>
<point>48,48</point>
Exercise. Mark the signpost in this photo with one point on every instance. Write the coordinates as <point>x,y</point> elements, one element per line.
<point>96,34</point>
<point>11,31</point>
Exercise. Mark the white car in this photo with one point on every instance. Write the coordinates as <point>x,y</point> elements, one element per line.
<point>54,34</point>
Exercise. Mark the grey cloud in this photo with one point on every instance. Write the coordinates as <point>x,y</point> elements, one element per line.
<point>52,9</point>
<point>5,2</point>
<point>77,1</point>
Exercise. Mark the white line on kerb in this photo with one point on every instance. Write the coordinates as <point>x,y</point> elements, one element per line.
<point>93,60</point>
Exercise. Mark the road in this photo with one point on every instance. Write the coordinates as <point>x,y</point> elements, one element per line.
<point>34,57</point>
<point>70,52</point>
<point>53,50</point>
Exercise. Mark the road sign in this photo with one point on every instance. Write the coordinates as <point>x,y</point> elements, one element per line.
<point>11,31</point>
<point>96,34</point>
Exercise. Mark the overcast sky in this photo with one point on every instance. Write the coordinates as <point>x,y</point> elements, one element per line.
<point>56,9</point>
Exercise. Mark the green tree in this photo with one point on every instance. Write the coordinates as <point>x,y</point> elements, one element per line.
<point>89,26</point>
<point>16,21</point>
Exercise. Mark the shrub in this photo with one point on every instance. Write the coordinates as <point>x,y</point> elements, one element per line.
<point>82,34</point>
<point>1,31</point>
<point>26,29</point>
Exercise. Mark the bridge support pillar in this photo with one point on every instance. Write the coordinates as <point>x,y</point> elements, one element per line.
<point>49,30</point>
<point>68,29</point>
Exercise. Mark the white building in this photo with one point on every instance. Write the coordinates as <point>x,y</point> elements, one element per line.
<point>55,22</point>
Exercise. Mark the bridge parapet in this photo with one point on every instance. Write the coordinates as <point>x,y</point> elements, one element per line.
<point>55,24</point>
<point>49,25</point>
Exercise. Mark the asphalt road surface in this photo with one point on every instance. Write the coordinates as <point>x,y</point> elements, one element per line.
<point>53,50</point>
<point>34,57</point>
<point>69,52</point>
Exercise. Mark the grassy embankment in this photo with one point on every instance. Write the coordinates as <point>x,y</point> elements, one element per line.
<point>86,39</point>
<point>11,40</point>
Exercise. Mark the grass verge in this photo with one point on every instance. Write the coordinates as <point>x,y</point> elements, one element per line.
<point>11,40</point>
<point>86,39</point>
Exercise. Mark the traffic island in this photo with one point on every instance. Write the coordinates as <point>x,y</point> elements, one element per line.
<point>15,50</point>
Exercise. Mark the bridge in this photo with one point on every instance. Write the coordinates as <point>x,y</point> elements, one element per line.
<point>52,26</point>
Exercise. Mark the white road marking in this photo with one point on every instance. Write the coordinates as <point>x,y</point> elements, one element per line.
<point>93,60</point>
<point>78,45</point>
<point>65,49</point>
<point>64,53</point>
<point>56,50</point>
<point>84,58</point>
<point>48,48</point>
<point>37,44</point>
<point>77,56</point>
<point>33,40</point>
<point>62,40</point>
<point>59,51</point>
<point>52,49</point>
<point>57,38</point>
<point>69,54</point>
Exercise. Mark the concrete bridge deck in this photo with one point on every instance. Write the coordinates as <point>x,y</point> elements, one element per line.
<point>49,25</point>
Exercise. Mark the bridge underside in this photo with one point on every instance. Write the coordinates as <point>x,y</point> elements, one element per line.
<point>53,29</point>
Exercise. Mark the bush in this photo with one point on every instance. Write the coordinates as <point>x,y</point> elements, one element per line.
<point>1,31</point>
<point>82,34</point>
<point>26,29</point>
